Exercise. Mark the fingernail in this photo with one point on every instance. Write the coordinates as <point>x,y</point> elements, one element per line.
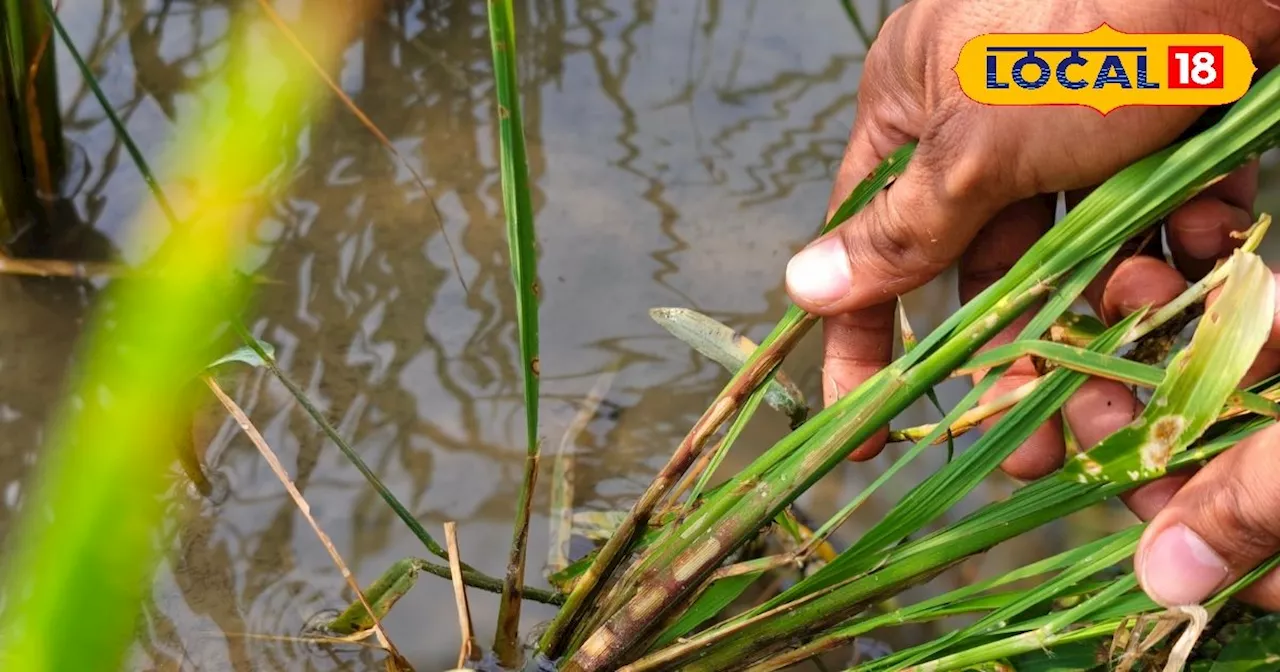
<point>1179,568</point>
<point>820,273</point>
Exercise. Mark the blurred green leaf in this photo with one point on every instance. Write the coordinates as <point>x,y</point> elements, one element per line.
<point>1255,648</point>
<point>82,557</point>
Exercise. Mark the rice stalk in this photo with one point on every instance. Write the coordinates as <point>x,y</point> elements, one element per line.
<point>789,330</point>
<point>517,204</point>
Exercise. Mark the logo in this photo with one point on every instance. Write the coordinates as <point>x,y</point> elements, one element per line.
<point>1104,69</point>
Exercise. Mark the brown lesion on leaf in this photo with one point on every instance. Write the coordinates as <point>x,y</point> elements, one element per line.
<point>535,366</point>
<point>1156,450</point>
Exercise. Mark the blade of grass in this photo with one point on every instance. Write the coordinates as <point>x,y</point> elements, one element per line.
<point>350,453</point>
<point>1040,502</point>
<point>1121,548</point>
<point>517,203</point>
<point>103,468</point>
<point>1047,635</point>
<point>728,348</point>
<point>923,502</point>
<point>963,600</point>
<point>1005,354</point>
<point>132,148</point>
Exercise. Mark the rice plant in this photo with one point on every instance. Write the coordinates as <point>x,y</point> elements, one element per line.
<point>32,156</point>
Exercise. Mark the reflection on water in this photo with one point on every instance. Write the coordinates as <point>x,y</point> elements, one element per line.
<point>681,151</point>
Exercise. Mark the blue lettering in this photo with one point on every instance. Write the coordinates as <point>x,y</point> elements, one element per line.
<point>1112,73</point>
<point>1074,59</point>
<point>1142,75</point>
<point>992,81</point>
<point>1022,63</point>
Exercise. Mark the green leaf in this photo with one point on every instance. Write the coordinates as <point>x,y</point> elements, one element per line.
<point>1255,648</point>
<point>730,349</point>
<point>517,205</point>
<point>1196,386</point>
<point>394,583</point>
<point>1069,657</point>
<point>245,355</point>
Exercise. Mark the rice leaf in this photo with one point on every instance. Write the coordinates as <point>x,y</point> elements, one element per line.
<point>1198,382</point>
<point>1106,366</point>
<point>730,349</point>
<point>394,583</point>
<point>517,204</point>
<point>247,355</point>
<point>82,555</point>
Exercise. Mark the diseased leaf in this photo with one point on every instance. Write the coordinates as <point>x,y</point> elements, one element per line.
<point>717,596</point>
<point>1075,329</point>
<point>382,595</point>
<point>1197,384</point>
<point>730,349</point>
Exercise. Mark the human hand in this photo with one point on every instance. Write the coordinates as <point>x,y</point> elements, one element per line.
<point>980,190</point>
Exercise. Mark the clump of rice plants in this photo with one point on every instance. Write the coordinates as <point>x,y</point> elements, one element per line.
<point>653,596</point>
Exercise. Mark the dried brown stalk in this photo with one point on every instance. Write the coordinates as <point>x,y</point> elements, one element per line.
<point>247,426</point>
<point>470,649</point>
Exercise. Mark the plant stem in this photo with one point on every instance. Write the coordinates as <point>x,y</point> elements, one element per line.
<point>301,396</point>
<point>517,204</point>
<point>789,330</point>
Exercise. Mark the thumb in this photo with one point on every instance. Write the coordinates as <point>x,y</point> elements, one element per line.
<point>1219,526</point>
<point>905,236</point>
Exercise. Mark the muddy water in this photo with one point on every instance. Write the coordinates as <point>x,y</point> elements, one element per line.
<point>681,152</point>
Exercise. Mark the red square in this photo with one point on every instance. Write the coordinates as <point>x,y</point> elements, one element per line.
<point>1195,67</point>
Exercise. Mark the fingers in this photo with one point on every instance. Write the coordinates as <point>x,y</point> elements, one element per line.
<point>1134,283</point>
<point>902,239</point>
<point>1199,231</point>
<point>995,249</point>
<point>1137,278</point>
<point>855,346</point>
<point>1267,362</point>
<point>1220,525</point>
